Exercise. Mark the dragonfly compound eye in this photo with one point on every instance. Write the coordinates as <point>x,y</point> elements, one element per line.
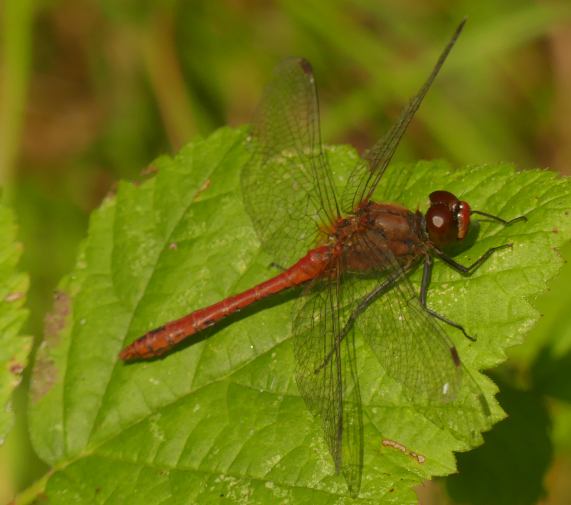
<point>441,225</point>
<point>463,218</point>
<point>448,218</point>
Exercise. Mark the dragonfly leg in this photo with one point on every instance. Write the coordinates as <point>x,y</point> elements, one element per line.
<point>359,309</point>
<point>426,276</point>
<point>468,270</point>
<point>505,222</point>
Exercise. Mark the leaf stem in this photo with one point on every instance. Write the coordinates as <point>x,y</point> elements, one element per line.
<point>32,492</point>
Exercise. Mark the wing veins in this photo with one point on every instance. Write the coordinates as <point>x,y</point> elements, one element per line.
<point>367,174</point>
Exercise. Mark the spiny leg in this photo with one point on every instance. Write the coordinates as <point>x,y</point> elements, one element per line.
<point>464,270</point>
<point>468,270</point>
<point>426,276</point>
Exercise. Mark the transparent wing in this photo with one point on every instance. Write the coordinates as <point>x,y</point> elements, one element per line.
<point>413,348</point>
<point>326,372</point>
<point>367,174</point>
<point>287,186</point>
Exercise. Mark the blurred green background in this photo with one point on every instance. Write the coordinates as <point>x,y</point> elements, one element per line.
<point>91,91</point>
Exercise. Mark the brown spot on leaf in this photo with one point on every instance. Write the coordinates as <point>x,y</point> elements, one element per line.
<point>149,170</point>
<point>305,66</point>
<point>55,320</point>
<point>112,191</point>
<point>400,447</point>
<point>204,187</point>
<point>173,246</point>
<point>45,371</point>
<point>16,368</point>
<point>12,297</point>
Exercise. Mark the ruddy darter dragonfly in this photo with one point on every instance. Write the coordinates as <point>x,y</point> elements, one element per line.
<point>354,252</point>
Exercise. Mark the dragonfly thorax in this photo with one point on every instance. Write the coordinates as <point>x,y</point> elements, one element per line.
<point>377,234</point>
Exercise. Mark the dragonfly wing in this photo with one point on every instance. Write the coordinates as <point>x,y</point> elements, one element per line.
<point>367,174</point>
<point>287,186</point>
<point>326,374</point>
<point>414,349</point>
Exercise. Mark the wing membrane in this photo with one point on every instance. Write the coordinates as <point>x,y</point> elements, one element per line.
<point>287,186</point>
<point>414,349</point>
<point>326,374</point>
<point>367,174</point>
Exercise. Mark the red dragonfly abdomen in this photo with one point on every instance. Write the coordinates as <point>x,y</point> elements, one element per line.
<point>160,340</point>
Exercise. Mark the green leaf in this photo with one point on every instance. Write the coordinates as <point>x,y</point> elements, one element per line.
<point>14,348</point>
<point>222,418</point>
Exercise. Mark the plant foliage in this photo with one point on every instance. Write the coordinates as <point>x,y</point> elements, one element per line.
<point>14,348</point>
<point>222,417</point>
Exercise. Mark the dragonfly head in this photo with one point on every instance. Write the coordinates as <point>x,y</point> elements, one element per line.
<point>447,219</point>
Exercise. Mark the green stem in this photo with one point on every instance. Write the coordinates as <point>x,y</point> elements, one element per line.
<point>16,33</point>
<point>165,75</point>
<point>32,492</point>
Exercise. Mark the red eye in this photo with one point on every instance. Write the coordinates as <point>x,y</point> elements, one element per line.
<point>440,224</point>
<point>443,197</point>
<point>463,219</point>
<point>448,218</point>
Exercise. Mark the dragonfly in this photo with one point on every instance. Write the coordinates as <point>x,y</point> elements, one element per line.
<point>351,258</point>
